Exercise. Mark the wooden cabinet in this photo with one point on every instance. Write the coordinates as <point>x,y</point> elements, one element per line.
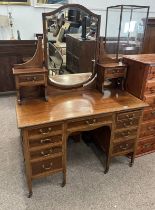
<point>141,83</point>
<point>13,52</point>
<point>149,40</point>
<point>79,54</point>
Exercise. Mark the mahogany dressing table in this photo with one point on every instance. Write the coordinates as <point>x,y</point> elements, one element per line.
<point>75,105</point>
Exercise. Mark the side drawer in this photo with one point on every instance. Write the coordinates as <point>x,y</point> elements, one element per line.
<point>114,72</point>
<point>127,119</point>
<point>149,114</point>
<point>42,153</point>
<point>31,78</point>
<point>146,145</point>
<point>45,141</point>
<point>147,128</point>
<point>44,131</point>
<point>88,122</point>
<point>123,147</point>
<point>46,165</point>
<point>128,115</point>
<point>125,135</point>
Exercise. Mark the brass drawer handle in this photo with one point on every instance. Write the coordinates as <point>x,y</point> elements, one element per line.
<point>46,154</point>
<point>47,168</point>
<point>127,125</point>
<point>44,141</point>
<point>43,132</point>
<point>153,112</point>
<point>151,129</point>
<point>34,78</point>
<point>126,134</point>
<point>146,146</point>
<point>91,123</point>
<point>124,147</point>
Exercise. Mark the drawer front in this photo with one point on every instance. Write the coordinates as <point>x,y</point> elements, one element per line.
<point>44,131</point>
<point>115,72</point>
<point>45,141</point>
<point>150,99</point>
<point>151,74</point>
<point>150,87</point>
<point>128,115</point>
<point>146,145</point>
<point>127,119</point>
<point>149,114</point>
<point>147,129</point>
<point>125,135</point>
<point>46,165</point>
<point>89,122</point>
<point>123,146</point>
<point>31,78</point>
<point>45,152</point>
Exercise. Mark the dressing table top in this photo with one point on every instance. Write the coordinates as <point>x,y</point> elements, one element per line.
<point>73,105</point>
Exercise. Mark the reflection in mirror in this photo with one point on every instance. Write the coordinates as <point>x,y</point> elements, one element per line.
<point>71,44</point>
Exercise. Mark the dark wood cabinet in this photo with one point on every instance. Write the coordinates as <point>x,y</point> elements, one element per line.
<point>141,83</point>
<point>13,52</point>
<point>149,41</point>
<point>79,54</point>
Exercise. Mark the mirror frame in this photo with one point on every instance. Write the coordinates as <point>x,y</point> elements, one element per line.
<point>96,53</point>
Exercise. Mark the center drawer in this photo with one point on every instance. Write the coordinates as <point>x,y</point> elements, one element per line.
<point>46,165</point>
<point>89,122</point>
<point>45,141</point>
<point>44,131</point>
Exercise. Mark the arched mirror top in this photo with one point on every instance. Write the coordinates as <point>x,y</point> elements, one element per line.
<point>71,35</point>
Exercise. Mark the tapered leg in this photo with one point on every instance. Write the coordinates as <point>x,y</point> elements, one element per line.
<point>107,164</point>
<point>64,179</point>
<point>132,161</point>
<point>46,97</point>
<point>18,97</point>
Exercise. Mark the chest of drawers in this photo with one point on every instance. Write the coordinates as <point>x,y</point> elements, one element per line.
<point>141,83</point>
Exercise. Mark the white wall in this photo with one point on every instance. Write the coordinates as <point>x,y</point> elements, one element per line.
<point>28,19</point>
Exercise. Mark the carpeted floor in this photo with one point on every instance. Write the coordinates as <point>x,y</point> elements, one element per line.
<point>123,188</point>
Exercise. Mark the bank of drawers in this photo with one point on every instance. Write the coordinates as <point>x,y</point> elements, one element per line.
<point>146,142</point>
<point>125,134</point>
<point>45,149</point>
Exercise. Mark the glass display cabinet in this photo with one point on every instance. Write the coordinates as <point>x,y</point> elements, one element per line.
<point>125,30</point>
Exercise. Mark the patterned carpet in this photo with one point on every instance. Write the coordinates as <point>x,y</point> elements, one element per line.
<point>123,188</point>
